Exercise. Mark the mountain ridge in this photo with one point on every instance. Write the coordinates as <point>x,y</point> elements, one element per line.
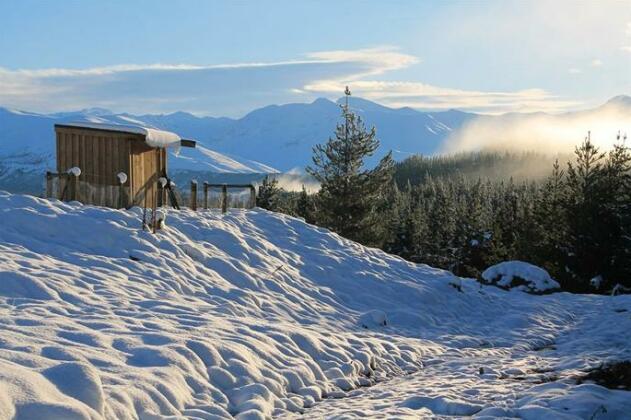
<point>274,137</point>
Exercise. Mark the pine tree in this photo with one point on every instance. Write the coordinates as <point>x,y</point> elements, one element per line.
<point>416,234</point>
<point>527,230</point>
<point>349,193</point>
<point>304,206</point>
<point>617,211</point>
<point>471,232</point>
<point>587,253</point>
<point>396,209</point>
<point>549,247</point>
<point>438,248</point>
<point>268,196</point>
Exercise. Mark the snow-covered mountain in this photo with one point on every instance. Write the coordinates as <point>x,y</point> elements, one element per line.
<point>282,136</point>
<point>27,146</point>
<point>254,315</point>
<point>25,136</point>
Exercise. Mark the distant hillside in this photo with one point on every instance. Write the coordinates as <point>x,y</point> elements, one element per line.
<point>494,165</point>
<point>283,136</point>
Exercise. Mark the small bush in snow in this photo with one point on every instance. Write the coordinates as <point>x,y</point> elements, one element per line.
<point>615,375</point>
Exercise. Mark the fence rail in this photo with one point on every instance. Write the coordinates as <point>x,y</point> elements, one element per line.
<point>224,202</point>
<point>72,187</point>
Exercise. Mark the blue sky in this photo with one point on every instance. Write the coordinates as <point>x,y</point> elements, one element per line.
<point>229,57</point>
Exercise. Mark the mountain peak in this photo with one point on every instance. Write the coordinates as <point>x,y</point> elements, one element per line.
<point>322,101</point>
<point>620,100</point>
<point>363,104</point>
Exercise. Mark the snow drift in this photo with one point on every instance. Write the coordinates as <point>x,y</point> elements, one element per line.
<point>250,314</point>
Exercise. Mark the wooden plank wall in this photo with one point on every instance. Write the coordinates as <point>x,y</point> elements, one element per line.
<point>101,156</point>
<point>147,165</point>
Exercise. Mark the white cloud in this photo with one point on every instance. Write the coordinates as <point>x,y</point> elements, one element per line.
<point>233,89</point>
<point>224,89</point>
<point>377,60</point>
<point>596,63</point>
<point>575,70</point>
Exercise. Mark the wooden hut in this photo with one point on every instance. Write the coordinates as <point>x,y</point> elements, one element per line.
<point>104,152</point>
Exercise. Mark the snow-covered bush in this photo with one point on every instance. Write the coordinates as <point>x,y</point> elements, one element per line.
<point>520,275</point>
<point>372,319</point>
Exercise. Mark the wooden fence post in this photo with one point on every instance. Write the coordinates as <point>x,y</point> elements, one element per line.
<point>121,177</point>
<point>252,196</point>
<point>160,194</point>
<point>224,198</point>
<point>73,188</point>
<point>205,195</point>
<point>49,184</point>
<point>74,174</point>
<point>122,197</point>
<point>193,195</point>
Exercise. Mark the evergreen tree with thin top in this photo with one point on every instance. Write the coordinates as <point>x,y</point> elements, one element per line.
<point>350,194</point>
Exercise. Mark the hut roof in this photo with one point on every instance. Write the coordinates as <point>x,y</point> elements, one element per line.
<point>153,137</point>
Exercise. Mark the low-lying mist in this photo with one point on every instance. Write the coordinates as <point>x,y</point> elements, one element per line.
<point>492,165</point>
<point>295,179</point>
<point>518,146</point>
<point>543,133</point>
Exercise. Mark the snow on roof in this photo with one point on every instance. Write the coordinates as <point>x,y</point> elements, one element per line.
<point>153,137</point>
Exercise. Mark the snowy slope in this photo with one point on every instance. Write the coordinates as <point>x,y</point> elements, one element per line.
<point>254,314</point>
<point>203,159</point>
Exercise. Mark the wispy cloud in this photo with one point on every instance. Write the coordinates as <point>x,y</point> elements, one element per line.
<point>230,89</point>
<point>233,89</point>
<point>377,60</point>
<point>424,96</point>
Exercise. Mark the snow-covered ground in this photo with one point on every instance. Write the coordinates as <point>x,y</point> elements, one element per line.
<point>254,314</point>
